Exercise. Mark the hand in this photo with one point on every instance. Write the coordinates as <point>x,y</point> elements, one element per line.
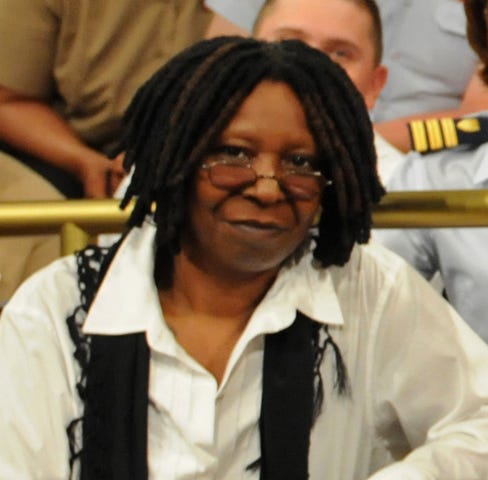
<point>114,174</point>
<point>100,175</point>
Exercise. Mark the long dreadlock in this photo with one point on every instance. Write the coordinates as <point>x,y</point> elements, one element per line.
<point>181,110</point>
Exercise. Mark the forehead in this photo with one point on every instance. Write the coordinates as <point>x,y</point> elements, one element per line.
<point>272,111</point>
<point>319,18</point>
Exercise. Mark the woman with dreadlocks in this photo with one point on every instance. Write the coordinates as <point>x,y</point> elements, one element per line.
<point>238,330</point>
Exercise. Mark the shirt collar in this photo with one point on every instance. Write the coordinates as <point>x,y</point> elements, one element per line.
<point>128,301</point>
<point>127,297</point>
<point>301,287</point>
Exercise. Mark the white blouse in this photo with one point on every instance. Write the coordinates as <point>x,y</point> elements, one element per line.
<point>418,376</point>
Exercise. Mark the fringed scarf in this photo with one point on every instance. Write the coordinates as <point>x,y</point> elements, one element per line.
<point>114,389</point>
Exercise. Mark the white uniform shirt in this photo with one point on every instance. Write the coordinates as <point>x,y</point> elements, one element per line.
<point>459,254</point>
<point>418,375</point>
<point>428,57</point>
<point>388,157</point>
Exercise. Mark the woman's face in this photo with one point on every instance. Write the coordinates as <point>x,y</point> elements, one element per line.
<point>251,230</point>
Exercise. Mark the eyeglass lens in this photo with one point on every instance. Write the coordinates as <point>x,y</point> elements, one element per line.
<point>231,177</point>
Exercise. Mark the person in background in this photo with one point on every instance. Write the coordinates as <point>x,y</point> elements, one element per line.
<point>350,33</point>
<point>241,328</point>
<point>433,73</point>
<point>457,253</point>
<point>68,69</point>
<point>421,39</point>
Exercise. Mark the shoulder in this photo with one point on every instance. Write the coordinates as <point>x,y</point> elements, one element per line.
<point>373,264</point>
<point>379,280</point>
<point>370,278</point>
<point>370,266</point>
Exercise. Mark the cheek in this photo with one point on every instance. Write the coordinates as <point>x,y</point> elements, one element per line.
<point>205,198</point>
<point>360,80</point>
<point>308,213</point>
<point>201,202</point>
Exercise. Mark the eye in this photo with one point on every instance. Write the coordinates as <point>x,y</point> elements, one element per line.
<point>300,162</point>
<point>232,153</point>
<point>339,53</point>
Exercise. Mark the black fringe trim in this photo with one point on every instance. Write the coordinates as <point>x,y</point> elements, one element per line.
<point>92,263</point>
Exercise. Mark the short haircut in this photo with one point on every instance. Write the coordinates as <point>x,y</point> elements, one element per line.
<point>369,5</point>
<point>179,113</point>
<point>476,14</point>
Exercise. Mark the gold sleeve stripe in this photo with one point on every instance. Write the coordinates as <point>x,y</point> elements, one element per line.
<point>434,134</point>
<point>419,136</point>
<point>449,132</point>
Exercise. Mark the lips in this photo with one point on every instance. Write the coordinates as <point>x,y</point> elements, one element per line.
<point>258,225</point>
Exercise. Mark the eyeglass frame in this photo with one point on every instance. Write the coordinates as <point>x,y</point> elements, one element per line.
<point>314,173</point>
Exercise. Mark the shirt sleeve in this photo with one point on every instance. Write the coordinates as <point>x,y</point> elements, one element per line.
<point>430,386</point>
<point>241,13</point>
<point>37,378</point>
<point>28,34</point>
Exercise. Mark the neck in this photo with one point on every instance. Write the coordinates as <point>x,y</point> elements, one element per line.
<point>203,290</point>
<point>207,311</point>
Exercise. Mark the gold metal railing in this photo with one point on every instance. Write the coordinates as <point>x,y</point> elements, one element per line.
<point>437,209</point>
<point>78,220</point>
<point>75,220</point>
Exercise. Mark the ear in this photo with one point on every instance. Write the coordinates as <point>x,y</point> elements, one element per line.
<point>378,80</point>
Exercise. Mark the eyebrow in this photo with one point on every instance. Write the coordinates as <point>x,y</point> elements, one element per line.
<point>292,30</point>
<point>302,35</point>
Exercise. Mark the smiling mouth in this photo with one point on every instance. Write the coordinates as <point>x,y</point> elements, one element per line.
<point>258,226</point>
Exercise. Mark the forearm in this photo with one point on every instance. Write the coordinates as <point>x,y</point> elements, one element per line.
<point>475,99</point>
<point>35,128</point>
<point>396,130</point>
<point>439,400</point>
<point>440,461</point>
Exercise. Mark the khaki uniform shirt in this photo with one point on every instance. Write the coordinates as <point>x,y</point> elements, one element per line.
<point>88,57</point>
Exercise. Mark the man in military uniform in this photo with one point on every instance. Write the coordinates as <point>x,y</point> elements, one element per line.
<point>451,156</point>
<point>68,70</point>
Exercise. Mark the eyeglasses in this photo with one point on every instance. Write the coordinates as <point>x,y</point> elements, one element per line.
<point>300,182</point>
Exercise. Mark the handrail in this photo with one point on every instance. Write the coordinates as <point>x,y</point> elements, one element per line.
<point>432,209</point>
<point>76,220</point>
<point>44,217</point>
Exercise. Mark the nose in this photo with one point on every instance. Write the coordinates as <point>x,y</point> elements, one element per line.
<point>267,189</point>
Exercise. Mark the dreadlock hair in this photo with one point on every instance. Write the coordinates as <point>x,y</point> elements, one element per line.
<point>178,114</point>
<point>477,16</point>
